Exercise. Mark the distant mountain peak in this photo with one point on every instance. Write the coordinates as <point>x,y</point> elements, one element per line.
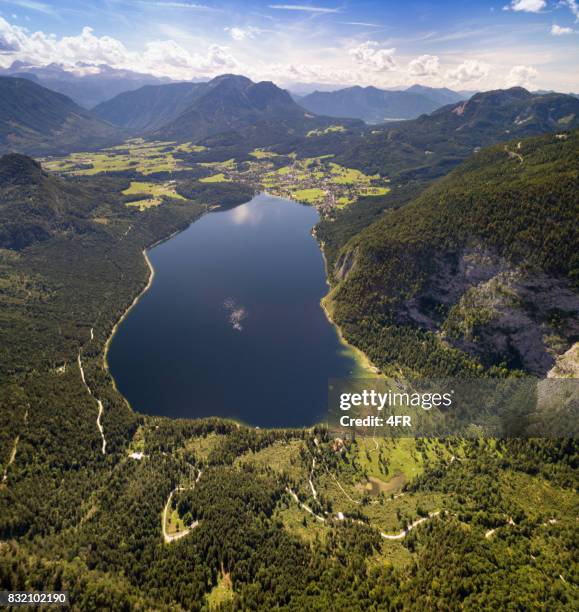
<point>376,105</point>
<point>231,80</point>
<point>502,95</point>
<point>86,83</point>
<point>229,103</point>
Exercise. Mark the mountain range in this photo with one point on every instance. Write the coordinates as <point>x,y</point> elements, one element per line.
<point>86,84</point>
<point>431,144</point>
<point>230,103</point>
<point>231,110</point>
<point>38,120</point>
<point>375,105</point>
<point>149,107</point>
<point>227,105</point>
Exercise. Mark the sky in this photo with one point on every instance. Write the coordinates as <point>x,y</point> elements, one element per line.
<point>464,45</point>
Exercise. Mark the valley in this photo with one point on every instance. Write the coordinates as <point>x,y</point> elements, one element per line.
<point>445,255</point>
<point>311,180</point>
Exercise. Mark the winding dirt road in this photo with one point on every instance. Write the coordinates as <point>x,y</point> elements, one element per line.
<point>171,537</point>
<point>99,403</point>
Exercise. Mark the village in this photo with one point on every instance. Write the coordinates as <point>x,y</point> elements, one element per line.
<point>317,181</point>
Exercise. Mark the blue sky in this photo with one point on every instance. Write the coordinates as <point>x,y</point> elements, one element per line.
<point>387,43</point>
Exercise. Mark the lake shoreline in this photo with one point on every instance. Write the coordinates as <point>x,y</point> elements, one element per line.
<point>362,360</point>
<point>135,301</point>
<point>361,366</point>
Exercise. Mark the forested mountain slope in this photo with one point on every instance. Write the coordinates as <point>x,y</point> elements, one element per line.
<point>236,110</point>
<point>479,271</point>
<point>149,107</point>
<point>371,104</point>
<point>36,120</point>
<point>34,205</point>
<point>428,147</point>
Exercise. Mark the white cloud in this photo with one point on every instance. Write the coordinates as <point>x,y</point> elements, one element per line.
<point>34,6</point>
<point>522,76</point>
<point>166,57</point>
<point>560,31</point>
<point>469,71</point>
<point>371,55</point>
<point>160,57</point>
<point>178,5</point>
<point>88,47</point>
<point>303,7</point>
<point>425,65</point>
<point>365,24</point>
<point>527,6</point>
<point>242,33</point>
<point>41,48</point>
<point>573,6</point>
<point>310,73</point>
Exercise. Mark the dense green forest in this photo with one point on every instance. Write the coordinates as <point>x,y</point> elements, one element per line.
<point>211,514</point>
<point>497,236</point>
<point>254,547</point>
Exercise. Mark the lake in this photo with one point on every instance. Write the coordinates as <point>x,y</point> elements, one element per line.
<point>232,325</point>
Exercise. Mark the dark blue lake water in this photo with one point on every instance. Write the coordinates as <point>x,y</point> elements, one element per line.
<point>232,324</point>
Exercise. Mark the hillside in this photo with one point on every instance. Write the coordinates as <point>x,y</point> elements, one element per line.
<point>149,107</point>
<point>235,106</point>
<point>370,104</point>
<point>440,95</point>
<point>34,205</point>
<point>36,120</point>
<point>481,269</point>
<point>431,145</point>
<point>415,153</point>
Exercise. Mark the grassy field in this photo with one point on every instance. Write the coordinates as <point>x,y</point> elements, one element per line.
<point>174,523</point>
<point>155,192</point>
<point>374,191</point>
<point>187,147</point>
<point>202,446</point>
<point>228,164</point>
<point>350,176</point>
<point>215,178</point>
<point>263,154</point>
<point>144,157</point>
<point>221,594</point>
<point>310,196</point>
<point>401,457</point>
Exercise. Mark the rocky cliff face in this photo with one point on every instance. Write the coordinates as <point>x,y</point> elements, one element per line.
<point>483,305</point>
<point>506,315</point>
